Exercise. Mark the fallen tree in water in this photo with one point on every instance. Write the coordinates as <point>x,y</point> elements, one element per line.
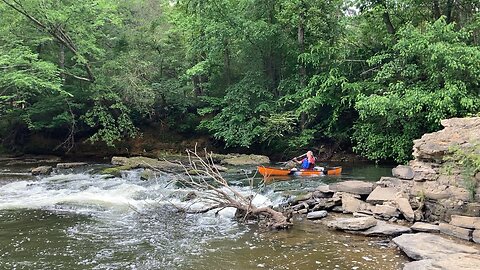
<point>215,190</point>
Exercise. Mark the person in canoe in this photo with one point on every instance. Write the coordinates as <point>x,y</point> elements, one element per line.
<point>307,163</point>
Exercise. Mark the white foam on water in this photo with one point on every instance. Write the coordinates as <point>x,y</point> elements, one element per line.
<point>72,189</point>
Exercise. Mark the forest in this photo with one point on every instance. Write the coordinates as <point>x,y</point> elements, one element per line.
<point>367,75</point>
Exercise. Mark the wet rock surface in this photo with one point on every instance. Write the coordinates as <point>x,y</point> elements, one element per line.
<point>421,246</point>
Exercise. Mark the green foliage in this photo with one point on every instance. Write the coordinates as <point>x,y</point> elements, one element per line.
<point>270,74</point>
<point>238,119</point>
<point>430,74</point>
<point>468,159</point>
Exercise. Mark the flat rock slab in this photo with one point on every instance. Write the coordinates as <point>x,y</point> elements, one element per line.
<point>317,214</point>
<point>353,224</point>
<point>456,261</point>
<point>405,208</point>
<point>425,227</point>
<point>353,187</point>
<point>462,233</point>
<point>421,246</point>
<point>147,163</point>
<point>465,222</point>
<point>239,160</point>
<point>382,194</point>
<point>387,229</point>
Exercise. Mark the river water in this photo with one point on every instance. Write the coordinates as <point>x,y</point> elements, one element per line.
<point>80,219</point>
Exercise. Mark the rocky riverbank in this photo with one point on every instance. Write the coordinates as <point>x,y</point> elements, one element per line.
<point>435,191</point>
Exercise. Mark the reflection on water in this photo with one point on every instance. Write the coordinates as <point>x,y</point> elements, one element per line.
<point>79,220</point>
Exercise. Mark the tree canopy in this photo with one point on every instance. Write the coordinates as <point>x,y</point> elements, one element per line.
<point>368,74</point>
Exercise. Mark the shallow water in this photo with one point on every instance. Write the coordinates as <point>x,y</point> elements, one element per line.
<point>77,219</point>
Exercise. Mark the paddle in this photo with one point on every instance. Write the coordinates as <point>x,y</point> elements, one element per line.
<point>285,162</point>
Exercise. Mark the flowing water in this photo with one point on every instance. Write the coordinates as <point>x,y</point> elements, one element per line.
<point>79,219</point>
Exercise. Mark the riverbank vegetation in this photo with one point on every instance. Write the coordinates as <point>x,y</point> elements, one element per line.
<point>371,75</point>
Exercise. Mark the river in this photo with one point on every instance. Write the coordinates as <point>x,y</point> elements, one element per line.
<point>80,219</point>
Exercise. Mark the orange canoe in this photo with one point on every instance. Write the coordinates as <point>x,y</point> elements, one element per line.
<point>268,171</point>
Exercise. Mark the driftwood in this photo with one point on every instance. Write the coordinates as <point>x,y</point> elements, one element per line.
<point>216,190</point>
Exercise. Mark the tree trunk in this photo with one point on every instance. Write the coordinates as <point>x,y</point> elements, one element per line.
<point>436,10</point>
<point>61,60</point>
<point>302,72</point>
<point>449,9</point>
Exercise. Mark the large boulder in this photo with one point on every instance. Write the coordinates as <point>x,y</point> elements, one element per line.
<point>353,224</point>
<point>421,246</point>
<point>457,131</point>
<point>350,204</point>
<point>353,187</point>
<point>385,211</point>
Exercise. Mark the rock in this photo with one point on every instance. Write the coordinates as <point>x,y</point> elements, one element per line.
<point>353,224</point>
<point>381,194</point>
<point>385,211</point>
<point>386,229</point>
<point>449,262</point>
<point>303,211</point>
<point>324,204</point>
<point>317,214</point>
<point>115,171</point>
<point>418,265</point>
<point>350,204</point>
<point>220,168</point>
<point>476,236</point>
<point>421,246</point>
<point>457,131</point>
<point>42,170</point>
<point>353,187</point>
<point>403,172</point>
<point>337,209</point>
<point>324,189</point>
<point>362,214</point>
<point>424,171</point>
<point>239,160</point>
<point>425,227</point>
<point>299,198</point>
<point>462,233</point>
<point>465,222</point>
<point>70,165</point>
<point>404,206</point>
<point>389,182</point>
<point>147,174</point>
<point>147,163</point>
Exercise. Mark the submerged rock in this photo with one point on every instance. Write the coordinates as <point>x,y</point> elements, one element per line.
<point>70,165</point>
<point>421,246</point>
